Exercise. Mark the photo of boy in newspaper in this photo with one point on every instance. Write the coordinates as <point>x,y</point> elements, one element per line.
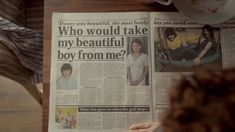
<point>185,49</point>
<point>137,62</point>
<point>66,80</point>
<point>66,117</point>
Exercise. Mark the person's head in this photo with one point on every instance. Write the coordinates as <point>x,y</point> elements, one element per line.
<point>136,46</point>
<point>66,70</point>
<point>207,31</point>
<point>170,34</point>
<point>202,102</point>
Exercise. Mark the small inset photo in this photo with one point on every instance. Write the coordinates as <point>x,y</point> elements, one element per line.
<point>67,77</point>
<point>66,117</point>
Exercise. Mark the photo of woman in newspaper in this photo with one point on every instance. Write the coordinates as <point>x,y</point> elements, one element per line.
<point>66,81</point>
<point>137,63</point>
<point>184,49</point>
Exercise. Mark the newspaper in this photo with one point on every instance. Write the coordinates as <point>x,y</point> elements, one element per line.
<point>111,70</point>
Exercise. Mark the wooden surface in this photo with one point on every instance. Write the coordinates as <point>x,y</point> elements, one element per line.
<point>82,6</point>
<point>19,111</point>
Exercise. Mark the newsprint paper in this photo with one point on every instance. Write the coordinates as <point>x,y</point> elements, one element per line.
<point>111,70</point>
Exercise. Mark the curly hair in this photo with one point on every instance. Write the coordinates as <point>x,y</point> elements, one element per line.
<point>137,41</point>
<point>202,102</point>
<point>170,31</point>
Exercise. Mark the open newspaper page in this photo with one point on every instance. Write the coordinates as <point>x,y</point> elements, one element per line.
<point>228,41</point>
<point>100,72</point>
<point>181,46</point>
